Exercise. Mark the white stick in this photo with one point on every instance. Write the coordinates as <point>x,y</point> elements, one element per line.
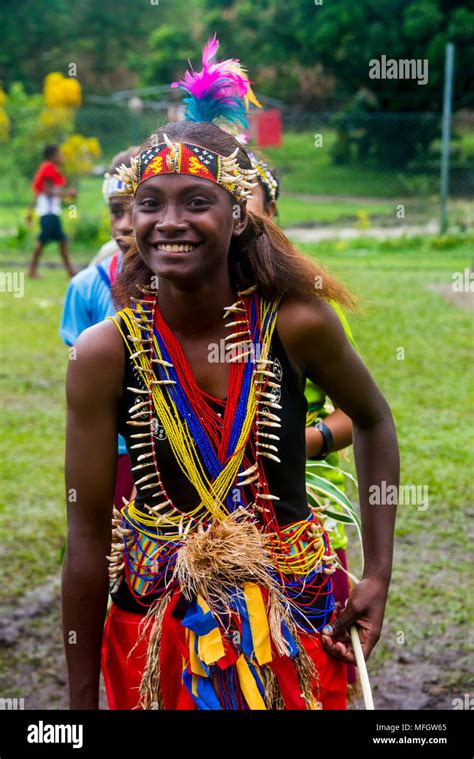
<point>362,667</point>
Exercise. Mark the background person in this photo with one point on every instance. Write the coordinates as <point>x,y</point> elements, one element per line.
<point>49,185</point>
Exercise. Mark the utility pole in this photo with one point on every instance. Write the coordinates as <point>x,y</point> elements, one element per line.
<point>446,135</point>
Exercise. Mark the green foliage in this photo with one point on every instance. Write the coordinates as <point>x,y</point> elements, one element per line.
<point>87,230</point>
<point>299,52</point>
<point>445,242</point>
<point>384,140</point>
<point>23,150</point>
<point>348,35</point>
<point>32,127</point>
<point>169,49</point>
<point>45,35</point>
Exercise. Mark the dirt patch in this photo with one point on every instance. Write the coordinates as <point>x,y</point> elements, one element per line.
<point>414,680</point>
<point>32,662</point>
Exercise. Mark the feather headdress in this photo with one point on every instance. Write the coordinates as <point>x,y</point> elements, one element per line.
<point>220,92</point>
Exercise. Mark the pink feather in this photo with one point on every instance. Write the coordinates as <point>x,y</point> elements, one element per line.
<point>226,78</point>
<point>209,50</point>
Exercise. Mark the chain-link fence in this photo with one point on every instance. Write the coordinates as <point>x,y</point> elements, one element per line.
<point>345,170</point>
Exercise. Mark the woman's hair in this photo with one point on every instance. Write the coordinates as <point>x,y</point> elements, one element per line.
<point>261,255</point>
<point>266,192</point>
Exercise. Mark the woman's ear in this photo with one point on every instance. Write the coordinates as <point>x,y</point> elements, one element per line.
<point>240,218</point>
<point>270,209</point>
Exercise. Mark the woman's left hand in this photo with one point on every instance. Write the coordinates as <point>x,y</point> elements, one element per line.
<point>365,607</point>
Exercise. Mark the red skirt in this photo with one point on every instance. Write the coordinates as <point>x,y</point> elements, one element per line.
<point>122,675</point>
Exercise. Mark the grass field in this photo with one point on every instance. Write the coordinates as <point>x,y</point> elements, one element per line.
<point>430,393</point>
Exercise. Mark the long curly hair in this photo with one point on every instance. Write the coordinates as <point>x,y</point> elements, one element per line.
<point>261,255</point>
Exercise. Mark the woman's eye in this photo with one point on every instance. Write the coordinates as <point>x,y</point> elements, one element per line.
<point>199,202</point>
<point>148,203</point>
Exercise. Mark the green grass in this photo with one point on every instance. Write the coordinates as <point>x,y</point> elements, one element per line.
<point>296,211</point>
<point>32,391</point>
<point>430,393</point>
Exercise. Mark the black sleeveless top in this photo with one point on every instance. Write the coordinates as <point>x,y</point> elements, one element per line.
<point>285,479</point>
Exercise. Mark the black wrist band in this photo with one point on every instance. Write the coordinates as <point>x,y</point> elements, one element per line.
<point>328,440</point>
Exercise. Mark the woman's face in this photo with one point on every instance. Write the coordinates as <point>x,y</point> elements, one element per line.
<point>183,225</point>
<point>257,203</point>
<point>121,219</point>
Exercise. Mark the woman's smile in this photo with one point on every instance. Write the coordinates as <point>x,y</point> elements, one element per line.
<point>179,247</point>
<point>178,217</point>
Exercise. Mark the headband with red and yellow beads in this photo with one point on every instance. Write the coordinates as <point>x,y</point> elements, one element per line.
<point>184,158</point>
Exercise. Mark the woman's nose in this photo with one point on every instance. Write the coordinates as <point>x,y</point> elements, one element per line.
<point>170,219</point>
<point>125,224</point>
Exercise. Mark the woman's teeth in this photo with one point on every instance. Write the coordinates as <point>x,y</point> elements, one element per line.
<point>175,248</point>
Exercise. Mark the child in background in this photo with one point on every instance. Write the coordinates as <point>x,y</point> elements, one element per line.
<point>49,185</point>
<point>89,300</point>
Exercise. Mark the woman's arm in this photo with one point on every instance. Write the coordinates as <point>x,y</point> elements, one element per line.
<point>93,390</point>
<point>340,426</point>
<point>313,334</point>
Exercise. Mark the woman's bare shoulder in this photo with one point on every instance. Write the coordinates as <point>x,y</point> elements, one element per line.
<point>97,360</point>
<point>101,340</point>
<point>303,320</point>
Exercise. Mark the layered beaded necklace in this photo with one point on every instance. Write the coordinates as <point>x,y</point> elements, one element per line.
<point>217,455</point>
<point>211,459</point>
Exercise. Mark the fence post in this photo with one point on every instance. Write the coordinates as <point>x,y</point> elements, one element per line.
<point>446,135</point>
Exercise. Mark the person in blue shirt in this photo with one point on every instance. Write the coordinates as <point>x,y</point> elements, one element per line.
<point>89,299</point>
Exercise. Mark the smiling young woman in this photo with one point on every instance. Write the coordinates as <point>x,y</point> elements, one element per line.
<point>220,573</point>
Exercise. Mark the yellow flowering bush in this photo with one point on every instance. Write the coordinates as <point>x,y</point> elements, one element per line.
<point>4,126</point>
<point>47,118</point>
<point>79,154</point>
<point>61,91</point>
<point>54,122</point>
<point>4,120</point>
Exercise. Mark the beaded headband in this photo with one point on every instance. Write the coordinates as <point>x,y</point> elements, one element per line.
<point>265,175</point>
<point>184,158</point>
<point>113,186</point>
